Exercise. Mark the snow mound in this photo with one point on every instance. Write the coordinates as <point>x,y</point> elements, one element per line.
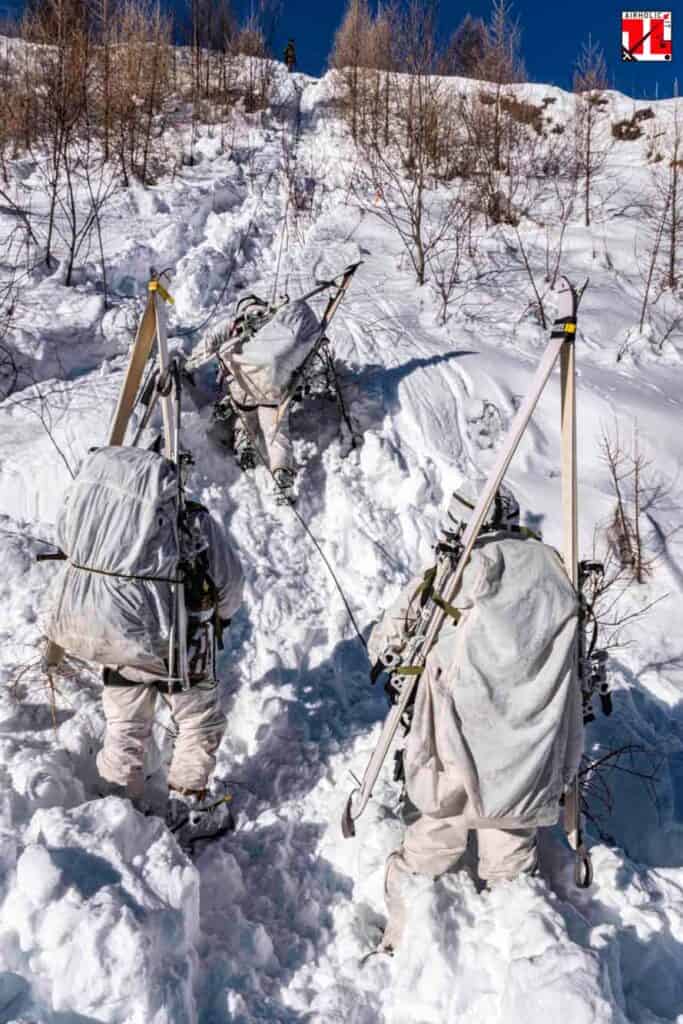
<point>101,920</point>
<point>499,956</point>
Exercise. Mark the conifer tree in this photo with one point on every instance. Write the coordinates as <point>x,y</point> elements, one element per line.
<point>464,55</point>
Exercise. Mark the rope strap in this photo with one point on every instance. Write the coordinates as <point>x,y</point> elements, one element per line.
<point>408,670</point>
<point>252,408</point>
<point>124,576</point>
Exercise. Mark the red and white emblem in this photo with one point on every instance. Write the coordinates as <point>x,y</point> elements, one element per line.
<point>645,35</point>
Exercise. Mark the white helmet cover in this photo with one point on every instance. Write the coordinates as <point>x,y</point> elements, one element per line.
<point>503,513</point>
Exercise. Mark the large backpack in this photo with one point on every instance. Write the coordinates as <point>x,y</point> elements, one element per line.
<point>498,714</point>
<point>118,527</point>
<point>265,363</point>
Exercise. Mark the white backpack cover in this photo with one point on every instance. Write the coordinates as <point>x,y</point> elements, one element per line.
<point>497,730</point>
<point>265,364</point>
<point>113,602</point>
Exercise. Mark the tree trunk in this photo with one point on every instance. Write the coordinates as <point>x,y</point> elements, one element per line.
<point>673,238</point>
<point>588,156</point>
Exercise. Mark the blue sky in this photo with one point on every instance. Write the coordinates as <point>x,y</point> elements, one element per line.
<point>551,37</point>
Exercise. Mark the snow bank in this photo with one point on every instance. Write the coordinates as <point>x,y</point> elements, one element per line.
<point>101,919</point>
<point>502,957</point>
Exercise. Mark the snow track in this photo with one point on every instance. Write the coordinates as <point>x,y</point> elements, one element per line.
<point>270,924</point>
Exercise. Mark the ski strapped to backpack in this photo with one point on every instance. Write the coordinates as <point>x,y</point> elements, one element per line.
<point>407,665</point>
<point>163,385</point>
<point>340,285</point>
<point>139,356</point>
<point>168,391</point>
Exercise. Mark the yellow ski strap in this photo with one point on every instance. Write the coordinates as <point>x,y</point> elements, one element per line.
<point>157,286</point>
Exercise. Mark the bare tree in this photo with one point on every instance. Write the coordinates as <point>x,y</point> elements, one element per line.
<point>401,178</point>
<point>61,69</point>
<point>16,247</point>
<point>590,83</point>
<point>252,42</point>
<point>102,14</point>
<point>351,53</point>
<point>496,142</point>
<point>502,63</point>
<point>564,189</point>
<point>379,78</point>
<point>675,206</point>
<point>89,184</point>
<point>141,73</point>
<point>500,150</point>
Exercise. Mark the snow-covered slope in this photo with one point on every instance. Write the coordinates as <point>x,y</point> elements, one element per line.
<point>102,918</point>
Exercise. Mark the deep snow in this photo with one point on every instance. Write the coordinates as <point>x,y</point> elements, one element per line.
<point>102,918</point>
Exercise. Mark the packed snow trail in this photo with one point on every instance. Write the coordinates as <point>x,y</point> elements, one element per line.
<point>101,918</point>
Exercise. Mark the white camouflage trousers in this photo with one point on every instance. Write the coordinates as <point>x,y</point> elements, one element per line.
<point>432,846</point>
<point>261,428</point>
<point>129,714</point>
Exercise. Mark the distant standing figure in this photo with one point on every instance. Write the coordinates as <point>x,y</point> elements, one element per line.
<point>290,56</point>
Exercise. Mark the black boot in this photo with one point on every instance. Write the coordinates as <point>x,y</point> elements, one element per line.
<point>284,486</point>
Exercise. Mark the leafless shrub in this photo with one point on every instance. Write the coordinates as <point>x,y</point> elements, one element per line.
<point>564,192</point>
<point>403,177</point>
<point>524,113</point>
<point>448,258</point>
<point>501,155</point>
<point>627,130</point>
<point>639,491</point>
<point>597,780</point>
<point>17,255</point>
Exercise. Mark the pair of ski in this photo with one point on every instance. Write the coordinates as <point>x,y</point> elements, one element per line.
<point>165,386</point>
<point>450,571</point>
<point>152,327</point>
